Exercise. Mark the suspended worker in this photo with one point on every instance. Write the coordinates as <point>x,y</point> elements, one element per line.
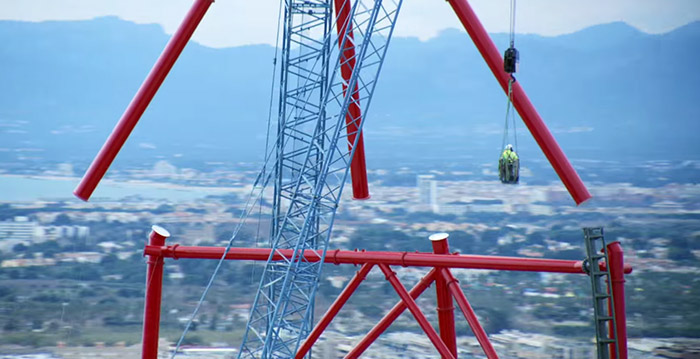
<point>509,166</point>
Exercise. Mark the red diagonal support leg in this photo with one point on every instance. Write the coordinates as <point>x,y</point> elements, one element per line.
<point>413,307</point>
<point>140,102</point>
<point>527,111</point>
<point>353,118</point>
<point>469,314</point>
<point>334,309</point>
<point>390,317</point>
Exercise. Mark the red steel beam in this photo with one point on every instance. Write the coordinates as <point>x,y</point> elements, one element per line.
<point>413,308</point>
<point>333,310</point>
<point>390,317</point>
<point>353,117</point>
<point>406,259</point>
<point>612,334</point>
<point>154,290</point>
<point>140,102</point>
<point>445,309</point>
<point>527,111</point>
<point>617,277</point>
<point>469,314</point>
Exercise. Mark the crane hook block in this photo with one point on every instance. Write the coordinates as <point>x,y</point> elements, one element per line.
<point>511,59</point>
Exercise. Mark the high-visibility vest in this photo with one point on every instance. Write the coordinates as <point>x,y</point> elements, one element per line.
<point>510,156</point>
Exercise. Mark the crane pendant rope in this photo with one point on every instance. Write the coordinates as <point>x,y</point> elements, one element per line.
<point>512,23</point>
<point>510,115</point>
<point>511,58</point>
<point>249,206</point>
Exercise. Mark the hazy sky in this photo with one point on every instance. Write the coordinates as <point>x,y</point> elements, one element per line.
<point>238,22</point>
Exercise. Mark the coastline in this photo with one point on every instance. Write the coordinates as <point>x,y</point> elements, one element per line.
<point>20,188</point>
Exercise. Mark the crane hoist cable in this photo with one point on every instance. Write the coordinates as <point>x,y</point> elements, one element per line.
<point>509,164</point>
<point>511,58</point>
<point>510,115</point>
<point>269,122</point>
<point>510,65</point>
<point>249,206</point>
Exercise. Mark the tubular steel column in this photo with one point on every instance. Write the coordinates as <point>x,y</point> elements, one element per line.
<point>617,278</point>
<point>140,102</point>
<point>353,118</point>
<point>154,287</point>
<point>527,111</point>
<point>445,309</point>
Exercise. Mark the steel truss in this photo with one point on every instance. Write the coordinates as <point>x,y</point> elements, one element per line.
<point>312,162</point>
<point>441,261</point>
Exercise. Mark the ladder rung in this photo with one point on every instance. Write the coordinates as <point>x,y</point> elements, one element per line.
<point>597,255</point>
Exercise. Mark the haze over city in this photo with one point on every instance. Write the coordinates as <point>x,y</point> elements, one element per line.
<point>610,80</point>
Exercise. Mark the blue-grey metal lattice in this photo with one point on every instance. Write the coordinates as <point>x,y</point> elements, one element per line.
<point>312,158</point>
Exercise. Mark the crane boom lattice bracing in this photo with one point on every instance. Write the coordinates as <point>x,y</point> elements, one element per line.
<point>317,138</point>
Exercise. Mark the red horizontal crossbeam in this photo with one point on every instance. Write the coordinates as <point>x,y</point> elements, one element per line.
<point>405,259</point>
<point>440,261</point>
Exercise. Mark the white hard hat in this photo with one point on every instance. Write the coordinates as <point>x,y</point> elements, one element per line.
<point>509,147</point>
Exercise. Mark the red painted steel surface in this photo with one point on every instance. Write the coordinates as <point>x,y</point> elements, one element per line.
<point>445,309</point>
<point>156,251</point>
<point>413,259</point>
<point>527,111</point>
<point>333,310</point>
<point>617,270</point>
<point>469,314</point>
<point>611,330</point>
<point>140,102</point>
<point>390,317</point>
<point>154,286</point>
<point>413,308</point>
<point>353,118</point>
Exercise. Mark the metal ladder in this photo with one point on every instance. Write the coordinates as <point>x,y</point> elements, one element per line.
<point>603,301</point>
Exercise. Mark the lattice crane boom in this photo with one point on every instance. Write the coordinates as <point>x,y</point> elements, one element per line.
<point>318,133</point>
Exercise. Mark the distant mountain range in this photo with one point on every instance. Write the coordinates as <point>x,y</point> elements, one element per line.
<point>609,92</point>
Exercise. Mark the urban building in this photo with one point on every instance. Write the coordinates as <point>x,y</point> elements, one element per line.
<point>19,230</point>
<point>427,192</point>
